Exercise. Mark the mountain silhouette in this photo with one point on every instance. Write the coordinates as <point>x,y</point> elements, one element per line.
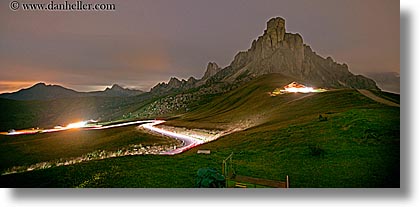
<point>42,91</point>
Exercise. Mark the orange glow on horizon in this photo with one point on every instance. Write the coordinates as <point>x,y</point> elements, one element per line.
<point>13,86</point>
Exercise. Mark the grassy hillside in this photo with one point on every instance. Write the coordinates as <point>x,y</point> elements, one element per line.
<point>251,105</point>
<point>23,150</point>
<point>237,105</point>
<point>356,145</point>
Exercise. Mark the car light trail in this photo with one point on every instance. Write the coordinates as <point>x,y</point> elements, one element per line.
<point>122,124</point>
<point>189,142</point>
<point>76,125</point>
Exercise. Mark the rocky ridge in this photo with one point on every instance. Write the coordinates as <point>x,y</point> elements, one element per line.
<point>212,69</point>
<point>277,51</point>
<point>174,84</point>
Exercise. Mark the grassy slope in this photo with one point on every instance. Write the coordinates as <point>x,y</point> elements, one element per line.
<point>31,149</point>
<point>244,103</point>
<point>22,114</point>
<point>358,146</point>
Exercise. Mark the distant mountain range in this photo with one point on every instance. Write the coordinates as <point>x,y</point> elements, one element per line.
<point>42,91</point>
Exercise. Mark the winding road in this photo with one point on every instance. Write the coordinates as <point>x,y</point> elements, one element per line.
<point>188,141</point>
<point>377,98</point>
<point>151,125</point>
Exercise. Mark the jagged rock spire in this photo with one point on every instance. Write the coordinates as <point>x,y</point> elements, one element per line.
<point>212,69</point>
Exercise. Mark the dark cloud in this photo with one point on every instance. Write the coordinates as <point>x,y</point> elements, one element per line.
<point>145,42</point>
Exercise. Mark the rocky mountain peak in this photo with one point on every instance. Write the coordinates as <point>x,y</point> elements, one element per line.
<point>277,51</point>
<point>274,39</point>
<point>212,69</point>
<point>174,83</point>
<point>116,87</point>
<point>276,30</point>
<point>191,80</point>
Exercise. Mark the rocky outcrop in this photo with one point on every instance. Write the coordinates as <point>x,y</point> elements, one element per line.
<point>174,85</point>
<point>277,51</point>
<point>212,69</point>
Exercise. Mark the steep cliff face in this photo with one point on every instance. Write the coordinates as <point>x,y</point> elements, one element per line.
<point>277,51</point>
<point>212,69</point>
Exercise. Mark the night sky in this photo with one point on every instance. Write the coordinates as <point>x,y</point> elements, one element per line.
<point>146,42</point>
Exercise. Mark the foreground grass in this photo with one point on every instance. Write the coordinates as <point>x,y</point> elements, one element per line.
<point>354,148</point>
